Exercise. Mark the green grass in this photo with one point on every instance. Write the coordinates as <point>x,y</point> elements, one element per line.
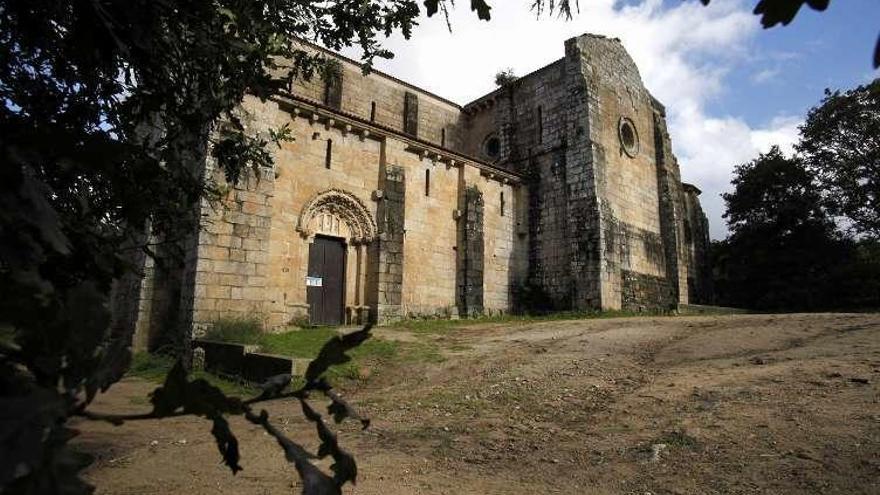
<point>154,367</point>
<point>306,343</point>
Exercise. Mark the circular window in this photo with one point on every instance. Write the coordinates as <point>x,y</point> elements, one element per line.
<point>629,138</point>
<point>492,146</point>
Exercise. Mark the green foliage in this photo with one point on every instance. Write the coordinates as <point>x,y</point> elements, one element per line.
<point>243,330</point>
<point>505,77</point>
<point>782,244</point>
<point>840,145</point>
<point>774,193</point>
<point>784,251</point>
<point>804,229</point>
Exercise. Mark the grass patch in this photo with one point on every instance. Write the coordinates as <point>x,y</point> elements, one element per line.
<point>154,368</point>
<point>306,343</point>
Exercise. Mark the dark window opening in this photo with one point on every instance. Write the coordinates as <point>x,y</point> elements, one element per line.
<point>502,203</point>
<point>443,137</point>
<point>372,111</point>
<point>427,182</point>
<point>328,157</point>
<point>333,87</point>
<point>493,147</point>
<point>540,125</point>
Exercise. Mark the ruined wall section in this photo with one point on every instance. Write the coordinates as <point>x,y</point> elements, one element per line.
<point>633,274</point>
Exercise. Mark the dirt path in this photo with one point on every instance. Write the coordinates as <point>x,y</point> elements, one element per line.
<point>687,405</point>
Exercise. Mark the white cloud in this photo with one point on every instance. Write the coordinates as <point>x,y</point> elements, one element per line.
<point>765,75</point>
<point>684,53</point>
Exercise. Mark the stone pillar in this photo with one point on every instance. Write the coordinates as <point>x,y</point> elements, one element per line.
<point>389,266</point>
<point>470,252</point>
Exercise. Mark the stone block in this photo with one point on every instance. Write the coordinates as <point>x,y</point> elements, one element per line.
<point>257,367</point>
<point>223,357</point>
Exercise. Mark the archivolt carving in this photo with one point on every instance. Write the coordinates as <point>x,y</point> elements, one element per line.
<point>343,205</point>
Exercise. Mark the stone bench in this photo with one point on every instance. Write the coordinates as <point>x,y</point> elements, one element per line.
<point>226,358</point>
<point>223,357</point>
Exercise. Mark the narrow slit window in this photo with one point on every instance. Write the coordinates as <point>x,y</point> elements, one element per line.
<point>443,137</point>
<point>540,124</point>
<point>427,182</point>
<point>372,111</point>
<point>502,203</point>
<point>328,156</point>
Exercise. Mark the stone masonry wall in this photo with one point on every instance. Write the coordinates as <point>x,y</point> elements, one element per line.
<point>626,179</point>
<point>541,120</point>
<point>232,268</point>
<point>383,98</point>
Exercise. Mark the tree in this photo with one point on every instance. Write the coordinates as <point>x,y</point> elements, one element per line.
<point>840,142</point>
<point>783,247</point>
<point>109,110</point>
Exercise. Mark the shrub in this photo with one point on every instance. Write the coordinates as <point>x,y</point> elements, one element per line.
<point>243,329</point>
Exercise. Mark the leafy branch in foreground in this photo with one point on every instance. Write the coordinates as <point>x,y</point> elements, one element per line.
<point>180,397</point>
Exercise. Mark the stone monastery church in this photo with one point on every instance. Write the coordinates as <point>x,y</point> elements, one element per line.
<point>557,191</point>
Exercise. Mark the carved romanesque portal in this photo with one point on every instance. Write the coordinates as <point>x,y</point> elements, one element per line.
<point>339,228</point>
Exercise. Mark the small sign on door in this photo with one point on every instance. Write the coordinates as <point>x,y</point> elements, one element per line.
<point>314,281</point>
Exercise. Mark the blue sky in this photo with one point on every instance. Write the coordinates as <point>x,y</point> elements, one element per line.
<point>793,65</point>
<point>731,88</point>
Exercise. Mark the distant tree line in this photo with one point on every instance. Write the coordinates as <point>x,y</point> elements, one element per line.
<point>805,228</point>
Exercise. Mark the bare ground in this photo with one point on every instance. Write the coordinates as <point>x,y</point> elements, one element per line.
<point>683,405</point>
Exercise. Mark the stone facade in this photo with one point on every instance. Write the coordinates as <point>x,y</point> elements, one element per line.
<point>561,184</point>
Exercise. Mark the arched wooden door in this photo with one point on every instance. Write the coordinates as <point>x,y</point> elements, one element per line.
<point>325,285</point>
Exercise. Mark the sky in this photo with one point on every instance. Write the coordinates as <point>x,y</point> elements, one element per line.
<point>731,88</point>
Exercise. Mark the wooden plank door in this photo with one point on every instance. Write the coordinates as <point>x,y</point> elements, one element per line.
<point>326,281</point>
